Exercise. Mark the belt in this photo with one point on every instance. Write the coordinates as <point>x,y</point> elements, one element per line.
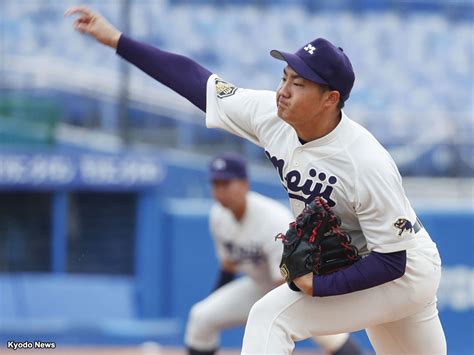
<point>417,226</point>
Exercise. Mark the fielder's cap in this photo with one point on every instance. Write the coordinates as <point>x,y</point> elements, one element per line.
<point>323,63</point>
<point>228,166</point>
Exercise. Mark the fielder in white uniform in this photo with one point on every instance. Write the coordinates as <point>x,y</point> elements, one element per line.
<point>243,225</point>
<point>318,150</point>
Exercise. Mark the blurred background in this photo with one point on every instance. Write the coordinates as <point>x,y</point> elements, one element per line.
<point>104,195</point>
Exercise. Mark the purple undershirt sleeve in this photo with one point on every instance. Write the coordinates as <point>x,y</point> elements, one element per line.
<point>373,270</point>
<point>179,73</point>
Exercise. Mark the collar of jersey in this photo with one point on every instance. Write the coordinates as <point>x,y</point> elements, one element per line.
<point>328,138</point>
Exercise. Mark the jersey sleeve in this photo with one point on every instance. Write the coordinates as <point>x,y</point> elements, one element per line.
<point>382,206</point>
<point>239,111</point>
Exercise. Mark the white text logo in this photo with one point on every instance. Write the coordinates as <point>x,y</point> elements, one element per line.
<point>309,48</point>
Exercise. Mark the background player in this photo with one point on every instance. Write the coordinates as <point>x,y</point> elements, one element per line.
<point>318,150</point>
<point>243,225</point>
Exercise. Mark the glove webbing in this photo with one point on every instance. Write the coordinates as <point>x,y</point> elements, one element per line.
<point>344,237</point>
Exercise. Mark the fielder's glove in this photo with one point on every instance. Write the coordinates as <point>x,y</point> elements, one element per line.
<point>315,243</point>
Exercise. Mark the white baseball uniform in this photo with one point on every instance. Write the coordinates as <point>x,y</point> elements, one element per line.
<point>357,176</point>
<point>250,245</point>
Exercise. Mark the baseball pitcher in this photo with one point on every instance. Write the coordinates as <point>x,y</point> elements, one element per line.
<point>342,185</point>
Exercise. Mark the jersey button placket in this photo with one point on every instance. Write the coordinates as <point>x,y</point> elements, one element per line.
<point>297,152</point>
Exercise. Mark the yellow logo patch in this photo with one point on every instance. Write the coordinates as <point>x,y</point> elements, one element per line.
<point>284,272</point>
<point>224,89</point>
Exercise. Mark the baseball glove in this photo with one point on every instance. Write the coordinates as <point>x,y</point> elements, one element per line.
<point>315,243</point>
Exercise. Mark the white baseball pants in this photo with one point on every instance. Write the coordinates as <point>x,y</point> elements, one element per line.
<point>229,306</point>
<point>400,316</point>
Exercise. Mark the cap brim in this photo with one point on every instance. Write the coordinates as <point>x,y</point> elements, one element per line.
<point>224,176</point>
<point>298,65</point>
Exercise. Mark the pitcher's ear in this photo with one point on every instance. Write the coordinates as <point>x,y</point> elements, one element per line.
<point>333,97</point>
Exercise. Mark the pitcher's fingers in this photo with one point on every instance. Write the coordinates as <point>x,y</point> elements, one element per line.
<point>77,24</point>
<point>79,10</point>
<point>81,27</point>
<point>81,19</point>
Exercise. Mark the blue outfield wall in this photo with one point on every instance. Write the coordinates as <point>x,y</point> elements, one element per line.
<point>453,232</point>
<point>181,268</point>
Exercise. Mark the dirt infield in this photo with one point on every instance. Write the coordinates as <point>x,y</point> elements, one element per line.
<point>146,349</point>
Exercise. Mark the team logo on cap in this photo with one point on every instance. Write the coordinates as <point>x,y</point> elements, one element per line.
<point>224,89</point>
<point>219,164</point>
<point>309,48</point>
<point>403,225</point>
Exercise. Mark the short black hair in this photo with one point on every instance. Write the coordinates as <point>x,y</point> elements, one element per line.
<point>325,88</point>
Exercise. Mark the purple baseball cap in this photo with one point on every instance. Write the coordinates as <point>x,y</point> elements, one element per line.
<point>228,166</point>
<point>323,63</point>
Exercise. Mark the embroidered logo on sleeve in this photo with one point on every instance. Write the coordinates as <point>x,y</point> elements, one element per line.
<point>403,225</point>
<point>224,89</point>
